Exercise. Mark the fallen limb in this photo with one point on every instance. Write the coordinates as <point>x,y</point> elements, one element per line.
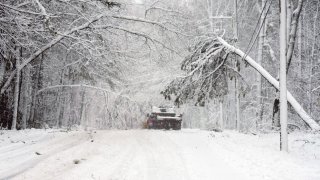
<point>294,103</point>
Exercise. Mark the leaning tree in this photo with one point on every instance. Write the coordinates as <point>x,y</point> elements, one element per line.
<point>206,76</point>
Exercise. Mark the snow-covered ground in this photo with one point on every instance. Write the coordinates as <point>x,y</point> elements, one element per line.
<point>156,154</point>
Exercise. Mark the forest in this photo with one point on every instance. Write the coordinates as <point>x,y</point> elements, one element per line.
<point>103,64</point>
<point>79,79</point>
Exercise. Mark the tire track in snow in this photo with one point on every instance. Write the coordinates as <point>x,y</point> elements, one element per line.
<point>47,149</point>
<point>121,166</point>
<point>164,156</point>
<point>138,155</point>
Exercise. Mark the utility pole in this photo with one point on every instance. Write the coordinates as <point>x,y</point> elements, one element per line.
<point>283,77</point>
<point>235,35</point>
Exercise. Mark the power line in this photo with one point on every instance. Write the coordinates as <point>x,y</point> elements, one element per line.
<point>256,37</point>
<point>250,45</point>
<point>255,29</point>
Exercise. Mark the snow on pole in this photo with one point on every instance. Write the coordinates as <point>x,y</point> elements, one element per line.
<point>294,103</point>
<point>283,77</point>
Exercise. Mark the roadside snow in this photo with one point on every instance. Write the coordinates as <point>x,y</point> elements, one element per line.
<point>261,154</point>
<point>21,150</point>
<point>151,154</point>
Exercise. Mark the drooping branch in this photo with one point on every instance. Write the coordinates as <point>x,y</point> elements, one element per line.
<point>80,86</point>
<point>161,9</point>
<point>205,78</point>
<point>208,60</point>
<point>44,48</point>
<point>315,88</point>
<point>139,34</point>
<point>61,36</point>
<point>136,19</point>
<point>21,10</point>
<point>43,10</point>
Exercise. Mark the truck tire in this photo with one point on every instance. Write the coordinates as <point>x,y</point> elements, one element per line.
<point>166,125</point>
<point>177,126</point>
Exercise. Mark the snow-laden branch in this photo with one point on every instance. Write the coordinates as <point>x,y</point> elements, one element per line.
<point>20,10</point>
<point>44,48</point>
<point>84,86</point>
<point>315,89</point>
<point>43,10</point>
<point>149,22</point>
<point>162,9</point>
<point>139,34</point>
<point>220,17</point>
<point>205,78</point>
<point>298,108</point>
<point>61,36</point>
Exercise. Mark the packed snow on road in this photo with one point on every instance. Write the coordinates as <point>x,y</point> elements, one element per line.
<point>156,154</point>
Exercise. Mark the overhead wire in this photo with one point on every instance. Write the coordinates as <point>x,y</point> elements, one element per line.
<point>256,27</point>
<point>255,34</point>
<point>256,37</point>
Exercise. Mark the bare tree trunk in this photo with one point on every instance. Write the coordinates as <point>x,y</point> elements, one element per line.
<point>221,115</point>
<point>237,98</point>
<point>59,102</point>
<point>59,107</point>
<point>83,105</point>
<point>310,86</point>
<point>16,96</point>
<point>288,19</point>
<point>25,97</point>
<point>2,74</point>
<point>65,112</point>
<point>300,48</point>
<point>312,59</point>
<point>2,70</point>
<point>35,89</point>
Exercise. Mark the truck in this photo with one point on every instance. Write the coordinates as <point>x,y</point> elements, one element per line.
<point>164,118</point>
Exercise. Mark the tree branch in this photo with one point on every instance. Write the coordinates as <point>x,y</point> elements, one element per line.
<point>155,41</point>
<point>293,33</point>
<point>42,9</point>
<point>149,22</point>
<point>21,10</point>
<point>44,48</point>
<point>82,85</point>
<point>162,9</point>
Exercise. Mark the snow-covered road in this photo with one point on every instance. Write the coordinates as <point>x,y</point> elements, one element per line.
<point>151,154</point>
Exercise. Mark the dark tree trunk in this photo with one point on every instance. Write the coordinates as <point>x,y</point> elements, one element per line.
<point>37,85</point>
